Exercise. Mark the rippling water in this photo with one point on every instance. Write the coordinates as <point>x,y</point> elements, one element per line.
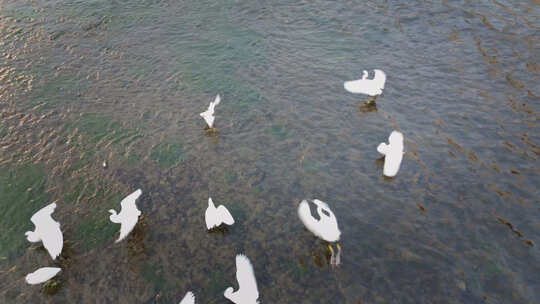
<point>123,81</point>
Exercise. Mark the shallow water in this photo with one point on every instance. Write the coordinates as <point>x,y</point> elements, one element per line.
<point>124,81</point>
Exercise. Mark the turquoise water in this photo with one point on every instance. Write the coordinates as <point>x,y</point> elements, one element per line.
<point>124,81</point>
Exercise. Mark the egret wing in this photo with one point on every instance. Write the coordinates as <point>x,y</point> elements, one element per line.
<point>210,217</point>
<point>380,78</point>
<point>43,214</point>
<point>321,204</point>
<point>224,215</point>
<point>353,86</point>
<point>392,163</point>
<point>396,139</point>
<point>245,276</point>
<point>366,86</point>
<point>130,199</point>
<point>126,227</point>
<point>42,275</point>
<point>215,103</point>
<point>52,237</point>
<point>189,298</point>
<point>383,148</point>
<point>304,213</point>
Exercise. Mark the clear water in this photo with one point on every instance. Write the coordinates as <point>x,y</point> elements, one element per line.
<point>124,81</point>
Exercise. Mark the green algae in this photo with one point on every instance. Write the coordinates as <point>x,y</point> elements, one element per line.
<point>99,129</point>
<point>72,196</point>
<point>217,283</point>
<point>22,192</point>
<point>85,159</point>
<point>279,132</point>
<point>154,275</point>
<point>133,158</point>
<point>217,60</point>
<point>239,93</point>
<point>237,211</point>
<point>94,227</point>
<point>310,166</point>
<point>56,90</point>
<point>168,154</point>
<point>95,230</point>
<point>296,270</point>
<point>3,131</point>
<point>231,177</point>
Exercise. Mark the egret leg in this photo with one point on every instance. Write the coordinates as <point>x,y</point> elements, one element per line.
<point>371,101</point>
<point>332,257</point>
<point>338,256</point>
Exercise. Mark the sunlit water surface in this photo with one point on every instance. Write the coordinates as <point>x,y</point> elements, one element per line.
<point>124,81</point>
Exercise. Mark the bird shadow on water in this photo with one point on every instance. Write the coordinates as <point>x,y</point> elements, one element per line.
<point>212,135</point>
<point>387,179</point>
<point>66,257</point>
<point>52,286</point>
<point>321,256</point>
<point>211,132</point>
<point>319,253</point>
<point>136,248</point>
<point>222,230</point>
<point>367,106</point>
<point>379,162</point>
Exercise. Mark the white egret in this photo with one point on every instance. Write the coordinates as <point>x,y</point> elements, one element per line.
<point>47,231</point>
<point>247,292</point>
<point>42,275</point>
<point>393,153</point>
<point>128,216</point>
<point>371,87</point>
<point>189,298</point>
<point>214,217</point>
<point>208,115</point>
<point>326,227</point>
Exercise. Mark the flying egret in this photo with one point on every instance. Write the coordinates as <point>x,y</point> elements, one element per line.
<point>189,298</point>
<point>393,153</point>
<point>214,217</point>
<point>247,292</point>
<point>372,87</point>
<point>47,231</point>
<point>326,227</point>
<point>128,216</point>
<point>42,275</point>
<point>208,115</point>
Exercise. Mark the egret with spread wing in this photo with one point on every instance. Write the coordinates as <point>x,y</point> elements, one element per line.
<point>47,231</point>
<point>371,87</point>
<point>128,216</point>
<point>214,217</point>
<point>326,227</point>
<point>208,115</point>
<point>247,292</point>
